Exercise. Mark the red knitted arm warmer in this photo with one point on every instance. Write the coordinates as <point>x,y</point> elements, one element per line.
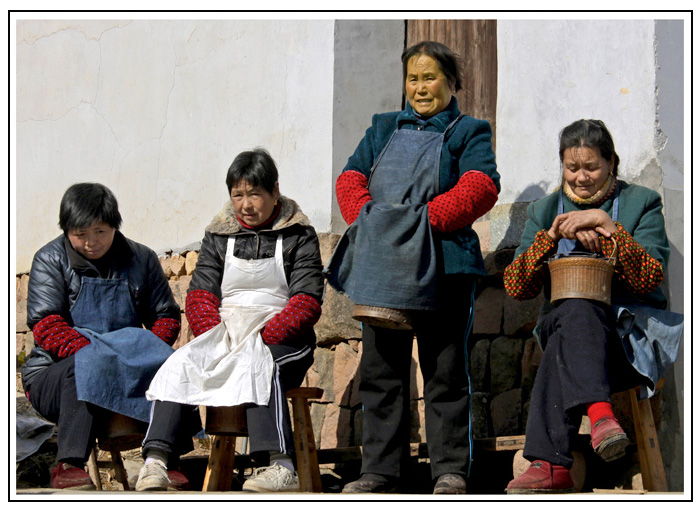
<point>202,311</point>
<point>55,335</point>
<point>473,195</point>
<point>640,272</point>
<point>523,278</point>
<point>167,329</point>
<point>351,191</point>
<point>301,313</point>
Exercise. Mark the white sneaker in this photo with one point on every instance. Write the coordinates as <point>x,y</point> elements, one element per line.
<point>152,477</point>
<point>272,478</point>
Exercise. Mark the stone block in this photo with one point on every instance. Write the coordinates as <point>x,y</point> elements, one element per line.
<point>22,283</point>
<point>318,412</point>
<point>175,289</point>
<point>481,415</point>
<point>520,317</point>
<point>416,374</point>
<point>532,356</point>
<point>497,261</point>
<point>479,366</point>
<point>488,311</point>
<point>21,316</point>
<point>321,373</point>
<point>504,364</point>
<point>417,430</point>
<point>482,229</point>
<point>177,265</point>
<point>185,335</point>
<point>165,264</point>
<point>346,364</point>
<point>327,243</point>
<point>336,323</point>
<point>507,222</point>
<point>184,284</point>
<point>336,430</point>
<point>191,261</point>
<point>505,413</point>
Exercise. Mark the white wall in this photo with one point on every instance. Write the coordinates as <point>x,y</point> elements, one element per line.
<point>157,110</point>
<point>551,73</point>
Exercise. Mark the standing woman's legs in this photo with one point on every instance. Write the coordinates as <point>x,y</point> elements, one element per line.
<point>441,346</point>
<point>385,394</point>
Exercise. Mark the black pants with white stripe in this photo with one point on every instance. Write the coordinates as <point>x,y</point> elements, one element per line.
<point>269,427</point>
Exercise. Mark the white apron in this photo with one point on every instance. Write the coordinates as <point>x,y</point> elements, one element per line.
<point>229,364</point>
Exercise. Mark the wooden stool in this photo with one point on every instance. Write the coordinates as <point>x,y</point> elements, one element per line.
<point>228,422</point>
<point>650,461</point>
<point>116,433</point>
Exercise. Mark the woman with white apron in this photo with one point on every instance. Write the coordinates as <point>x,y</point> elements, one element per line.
<point>253,300</point>
<point>409,194</point>
<point>91,292</point>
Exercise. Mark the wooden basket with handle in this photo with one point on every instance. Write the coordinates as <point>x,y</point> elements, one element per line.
<point>582,275</point>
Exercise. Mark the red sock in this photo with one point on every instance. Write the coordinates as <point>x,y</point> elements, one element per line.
<point>598,410</point>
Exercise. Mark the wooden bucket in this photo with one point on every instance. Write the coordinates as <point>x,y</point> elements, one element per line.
<point>582,275</point>
<point>383,317</point>
<point>226,420</point>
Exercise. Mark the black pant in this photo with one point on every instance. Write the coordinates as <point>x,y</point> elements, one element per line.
<point>269,427</point>
<point>583,362</point>
<point>53,394</point>
<point>385,386</point>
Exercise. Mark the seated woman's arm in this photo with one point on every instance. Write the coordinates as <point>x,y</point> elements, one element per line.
<point>163,315</point>
<point>204,294</point>
<point>47,307</point>
<point>306,292</point>
<point>524,277</point>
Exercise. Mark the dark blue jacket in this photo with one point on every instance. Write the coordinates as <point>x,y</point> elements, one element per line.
<point>467,147</point>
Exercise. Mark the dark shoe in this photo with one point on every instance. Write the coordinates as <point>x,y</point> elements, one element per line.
<point>178,480</point>
<point>608,438</point>
<point>542,477</point>
<point>369,483</point>
<point>450,484</point>
<point>68,477</point>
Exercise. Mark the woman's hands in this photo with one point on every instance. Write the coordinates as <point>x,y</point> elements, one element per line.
<point>584,226</point>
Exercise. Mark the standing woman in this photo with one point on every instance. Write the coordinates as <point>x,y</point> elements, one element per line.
<point>254,298</point>
<point>91,292</point>
<point>591,349</point>
<point>409,193</point>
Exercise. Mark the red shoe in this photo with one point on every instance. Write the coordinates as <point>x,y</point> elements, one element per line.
<point>542,477</point>
<point>608,438</point>
<point>65,476</point>
<point>178,481</point>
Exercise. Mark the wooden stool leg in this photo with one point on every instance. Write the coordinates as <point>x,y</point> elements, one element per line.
<point>219,475</point>
<point>305,445</point>
<point>119,471</point>
<point>650,461</point>
<point>93,469</point>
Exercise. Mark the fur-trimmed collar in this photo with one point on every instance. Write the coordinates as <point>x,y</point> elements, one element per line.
<point>225,222</point>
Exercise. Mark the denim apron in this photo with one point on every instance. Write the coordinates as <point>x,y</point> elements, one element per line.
<point>115,369</point>
<point>229,364</point>
<point>387,257</point>
<point>650,337</point>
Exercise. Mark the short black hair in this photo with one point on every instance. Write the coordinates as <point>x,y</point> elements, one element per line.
<point>589,133</point>
<point>450,63</point>
<point>83,204</point>
<point>256,167</point>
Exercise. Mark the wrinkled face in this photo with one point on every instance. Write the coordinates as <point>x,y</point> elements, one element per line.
<point>427,88</point>
<point>253,204</point>
<point>585,170</point>
<point>94,241</point>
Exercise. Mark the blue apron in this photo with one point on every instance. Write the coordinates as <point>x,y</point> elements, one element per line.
<point>115,369</point>
<point>650,337</point>
<point>387,257</point>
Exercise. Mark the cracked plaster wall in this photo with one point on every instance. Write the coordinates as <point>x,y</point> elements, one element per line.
<point>157,110</point>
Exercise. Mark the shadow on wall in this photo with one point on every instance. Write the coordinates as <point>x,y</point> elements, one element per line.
<point>517,216</point>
